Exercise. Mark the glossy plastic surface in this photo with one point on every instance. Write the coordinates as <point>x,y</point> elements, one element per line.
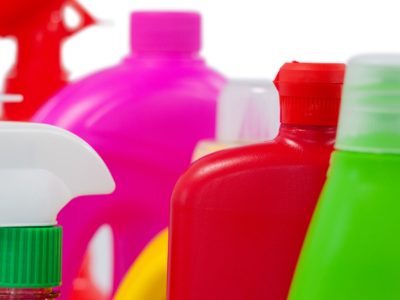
<point>144,118</point>
<point>39,30</point>
<point>247,111</point>
<point>239,216</point>
<point>370,115</point>
<point>42,168</point>
<point>352,248</point>
<point>310,93</point>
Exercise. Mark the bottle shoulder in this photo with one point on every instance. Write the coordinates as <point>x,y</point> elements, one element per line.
<point>266,155</point>
<point>259,170</point>
<point>133,94</point>
<point>366,167</point>
<point>139,80</point>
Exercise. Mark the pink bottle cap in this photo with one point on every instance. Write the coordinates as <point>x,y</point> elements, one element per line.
<point>165,32</point>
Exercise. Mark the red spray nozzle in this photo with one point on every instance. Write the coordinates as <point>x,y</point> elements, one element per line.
<point>17,15</point>
<point>39,28</point>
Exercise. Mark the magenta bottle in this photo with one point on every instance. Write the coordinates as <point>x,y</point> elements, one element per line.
<point>144,117</point>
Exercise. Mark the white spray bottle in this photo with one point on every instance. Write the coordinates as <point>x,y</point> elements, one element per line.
<point>42,168</point>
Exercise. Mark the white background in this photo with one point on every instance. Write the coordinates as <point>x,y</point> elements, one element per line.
<point>248,38</point>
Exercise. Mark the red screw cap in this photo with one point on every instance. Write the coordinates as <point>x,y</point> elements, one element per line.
<point>310,93</point>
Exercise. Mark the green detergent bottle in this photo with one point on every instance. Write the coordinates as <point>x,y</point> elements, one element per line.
<point>352,249</point>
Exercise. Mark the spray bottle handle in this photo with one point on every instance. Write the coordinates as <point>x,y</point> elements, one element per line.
<point>86,19</point>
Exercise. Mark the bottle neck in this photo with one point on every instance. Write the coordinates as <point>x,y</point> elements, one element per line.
<point>165,57</point>
<point>308,133</point>
<point>29,294</point>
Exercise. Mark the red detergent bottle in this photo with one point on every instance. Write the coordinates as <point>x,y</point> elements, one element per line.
<point>239,216</point>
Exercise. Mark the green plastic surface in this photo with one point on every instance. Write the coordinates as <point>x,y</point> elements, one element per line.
<point>30,257</point>
<point>352,250</point>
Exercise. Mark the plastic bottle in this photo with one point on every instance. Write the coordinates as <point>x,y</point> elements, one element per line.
<point>41,169</point>
<point>353,244</point>
<point>239,216</point>
<point>39,30</point>
<point>144,117</point>
<point>247,111</point>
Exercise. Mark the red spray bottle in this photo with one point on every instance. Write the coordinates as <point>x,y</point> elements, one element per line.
<point>239,216</point>
<point>39,29</point>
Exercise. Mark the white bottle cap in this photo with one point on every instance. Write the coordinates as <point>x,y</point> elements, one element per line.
<point>248,111</point>
<point>370,111</point>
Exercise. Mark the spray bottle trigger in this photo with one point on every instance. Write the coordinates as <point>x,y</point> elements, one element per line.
<point>86,19</point>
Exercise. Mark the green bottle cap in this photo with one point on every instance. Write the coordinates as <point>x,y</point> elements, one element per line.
<point>30,257</point>
<point>370,113</point>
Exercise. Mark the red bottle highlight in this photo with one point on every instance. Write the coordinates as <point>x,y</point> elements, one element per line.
<point>239,216</point>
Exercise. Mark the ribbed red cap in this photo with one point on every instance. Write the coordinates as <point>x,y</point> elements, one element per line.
<point>310,93</point>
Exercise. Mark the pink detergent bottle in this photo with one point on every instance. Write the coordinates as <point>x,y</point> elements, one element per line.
<point>144,117</point>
